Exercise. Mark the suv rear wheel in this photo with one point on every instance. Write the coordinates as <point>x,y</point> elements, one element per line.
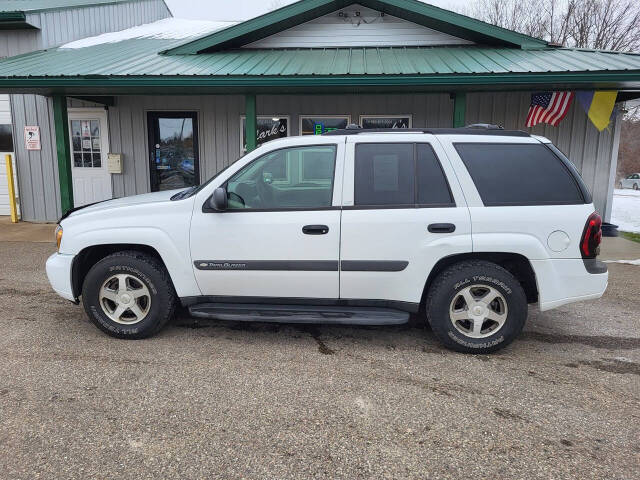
<point>129,295</point>
<point>476,307</point>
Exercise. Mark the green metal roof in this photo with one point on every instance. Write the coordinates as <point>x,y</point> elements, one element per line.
<point>133,61</point>
<point>141,57</point>
<point>304,10</point>
<point>39,5</point>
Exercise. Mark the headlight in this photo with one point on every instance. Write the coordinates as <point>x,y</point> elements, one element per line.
<point>58,236</point>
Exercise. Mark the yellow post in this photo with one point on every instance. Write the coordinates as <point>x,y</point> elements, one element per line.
<point>12,190</point>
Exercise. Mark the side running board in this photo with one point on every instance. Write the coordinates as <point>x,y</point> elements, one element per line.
<point>299,314</point>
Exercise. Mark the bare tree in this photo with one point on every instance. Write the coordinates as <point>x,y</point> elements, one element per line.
<point>598,24</point>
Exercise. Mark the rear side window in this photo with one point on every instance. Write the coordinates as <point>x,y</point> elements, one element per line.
<point>519,174</point>
<point>399,174</point>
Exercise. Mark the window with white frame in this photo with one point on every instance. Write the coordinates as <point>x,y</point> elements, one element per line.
<point>386,121</point>
<point>269,127</point>
<point>319,124</point>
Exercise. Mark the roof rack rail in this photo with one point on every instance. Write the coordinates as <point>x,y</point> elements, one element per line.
<point>475,129</point>
<point>486,126</point>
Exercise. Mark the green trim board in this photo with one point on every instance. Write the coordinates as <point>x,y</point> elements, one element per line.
<point>14,21</point>
<point>251,121</point>
<point>63,151</point>
<point>459,109</point>
<point>306,10</point>
<point>621,80</point>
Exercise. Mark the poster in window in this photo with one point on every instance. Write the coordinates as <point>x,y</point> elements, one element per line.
<point>400,121</point>
<point>268,128</point>
<point>86,128</point>
<point>320,125</point>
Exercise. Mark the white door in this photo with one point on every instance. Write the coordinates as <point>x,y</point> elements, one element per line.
<point>6,147</point>
<point>89,147</point>
<point>403,211</point>
<point>280,236</point>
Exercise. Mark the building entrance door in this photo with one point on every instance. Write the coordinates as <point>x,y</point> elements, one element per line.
<point>173,142</point>
<point>89,147</point>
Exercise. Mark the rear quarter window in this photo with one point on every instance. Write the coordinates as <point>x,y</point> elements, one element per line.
<point>519,174</point>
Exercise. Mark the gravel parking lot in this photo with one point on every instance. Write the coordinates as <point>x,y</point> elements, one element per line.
<point>233,400</point>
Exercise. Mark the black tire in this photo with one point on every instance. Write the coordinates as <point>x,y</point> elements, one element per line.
<point>635,186</point>
<point>446,287</point>
<point>149,272</point>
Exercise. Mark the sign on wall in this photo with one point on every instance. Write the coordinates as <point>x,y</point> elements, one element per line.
<point>114,162</point>
<point>391,121</point>
<point>317,125</point>
<point>32,137</point>
<point>268,128</point>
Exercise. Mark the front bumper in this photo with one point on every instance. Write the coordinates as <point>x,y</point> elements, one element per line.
<point>59,274</point>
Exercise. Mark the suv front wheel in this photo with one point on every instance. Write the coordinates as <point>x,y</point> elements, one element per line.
<point>129,295</point>
<point>476,307</point>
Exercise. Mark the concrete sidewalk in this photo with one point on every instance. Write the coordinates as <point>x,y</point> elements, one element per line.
<point>26,232</point>
<point>613,248</point>
<point>619,248</point>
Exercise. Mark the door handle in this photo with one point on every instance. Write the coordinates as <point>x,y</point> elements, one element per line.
<point>441,228</point>
<point>315,229</point>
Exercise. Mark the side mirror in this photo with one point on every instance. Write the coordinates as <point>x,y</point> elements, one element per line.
<point>218,200</point>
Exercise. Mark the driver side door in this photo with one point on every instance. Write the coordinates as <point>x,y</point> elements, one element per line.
<point>279,237</point>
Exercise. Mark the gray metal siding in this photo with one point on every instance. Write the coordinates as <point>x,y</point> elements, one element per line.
<point>15,42</point>
<point>219,124</point>
<point>38,171</point>
<point>331,30</point>
<point>593,153</point>
<point>63,26</point>
<point>219,134</point>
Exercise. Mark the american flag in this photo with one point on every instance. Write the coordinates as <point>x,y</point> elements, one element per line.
<point>549,107</point>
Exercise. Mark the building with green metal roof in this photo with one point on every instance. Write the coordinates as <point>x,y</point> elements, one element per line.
<point>176,101</point>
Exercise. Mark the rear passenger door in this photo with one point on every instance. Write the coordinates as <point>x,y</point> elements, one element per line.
<point>403,210</point>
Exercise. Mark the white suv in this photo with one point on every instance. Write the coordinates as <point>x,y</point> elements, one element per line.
<point>464,226</point>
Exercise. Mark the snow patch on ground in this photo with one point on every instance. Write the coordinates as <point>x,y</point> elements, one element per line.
<point>626,210</point>
<point>630,262</point>
<point>167,29</point>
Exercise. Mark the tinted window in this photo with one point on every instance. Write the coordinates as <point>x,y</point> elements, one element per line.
<point>433,188</point>
<point>399,174</point>
<point>298,177</point>
<point>519,174</point>
<point>384,174</point>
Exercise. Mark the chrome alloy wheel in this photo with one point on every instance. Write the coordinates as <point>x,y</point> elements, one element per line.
<point>478,311</point>
<point>125,299</point>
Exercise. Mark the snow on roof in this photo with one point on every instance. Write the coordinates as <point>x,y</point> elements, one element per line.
<point>166,29</point>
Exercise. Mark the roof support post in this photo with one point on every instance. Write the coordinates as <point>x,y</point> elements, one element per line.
<point>61,123</point>
<point>459,109</point>
<point>251,123</point>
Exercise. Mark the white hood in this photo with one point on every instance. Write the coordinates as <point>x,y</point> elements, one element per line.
<point>127,201</point>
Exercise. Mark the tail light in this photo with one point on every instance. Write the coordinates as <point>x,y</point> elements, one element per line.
<point>591,236</point>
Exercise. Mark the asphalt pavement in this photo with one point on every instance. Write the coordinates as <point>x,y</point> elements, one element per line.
<point>234,400</point>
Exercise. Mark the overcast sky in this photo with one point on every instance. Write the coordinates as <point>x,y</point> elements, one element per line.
<point>234,10</point>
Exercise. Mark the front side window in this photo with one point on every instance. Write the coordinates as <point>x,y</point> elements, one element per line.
<point>297,177</point>
<point>399,174</point>
<point>519,174</point>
